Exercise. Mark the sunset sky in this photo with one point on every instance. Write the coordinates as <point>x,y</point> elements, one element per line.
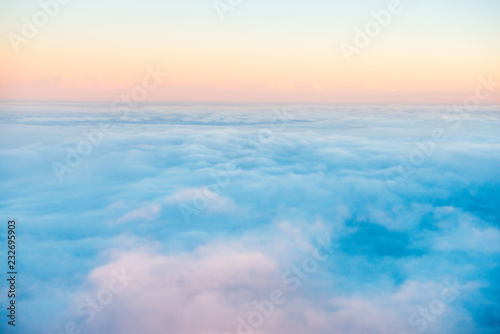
<point>250,166</point>
<point>263,51</point>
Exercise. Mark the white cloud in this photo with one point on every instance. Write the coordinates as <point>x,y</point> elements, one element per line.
<point>146,213</point>
<point>323,174</point>
<point>204,198</point>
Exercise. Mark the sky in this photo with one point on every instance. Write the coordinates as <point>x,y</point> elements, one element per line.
<point>256,51</point>
<point>251,167</point>
<point>364,218</point>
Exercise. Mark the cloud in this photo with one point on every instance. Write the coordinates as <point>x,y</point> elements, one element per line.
<point>146,213</point>
<point>471,238</point>
<point>323,173</point>
<point>217,285</point>
<point>202,197</point>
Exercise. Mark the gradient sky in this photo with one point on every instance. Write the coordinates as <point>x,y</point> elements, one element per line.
<point>264,51</point>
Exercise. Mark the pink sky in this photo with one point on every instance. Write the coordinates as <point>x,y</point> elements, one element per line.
<point>90,53</point>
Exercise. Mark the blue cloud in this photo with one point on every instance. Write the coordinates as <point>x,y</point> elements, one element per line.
<point>260,188</point>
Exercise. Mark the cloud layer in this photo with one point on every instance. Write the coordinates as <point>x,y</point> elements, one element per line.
<point>212,208</point>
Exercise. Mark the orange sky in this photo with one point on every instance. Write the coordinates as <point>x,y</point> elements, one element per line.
<point>79,56</point>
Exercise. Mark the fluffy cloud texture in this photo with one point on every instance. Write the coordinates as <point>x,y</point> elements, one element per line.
<point>214,209</point>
